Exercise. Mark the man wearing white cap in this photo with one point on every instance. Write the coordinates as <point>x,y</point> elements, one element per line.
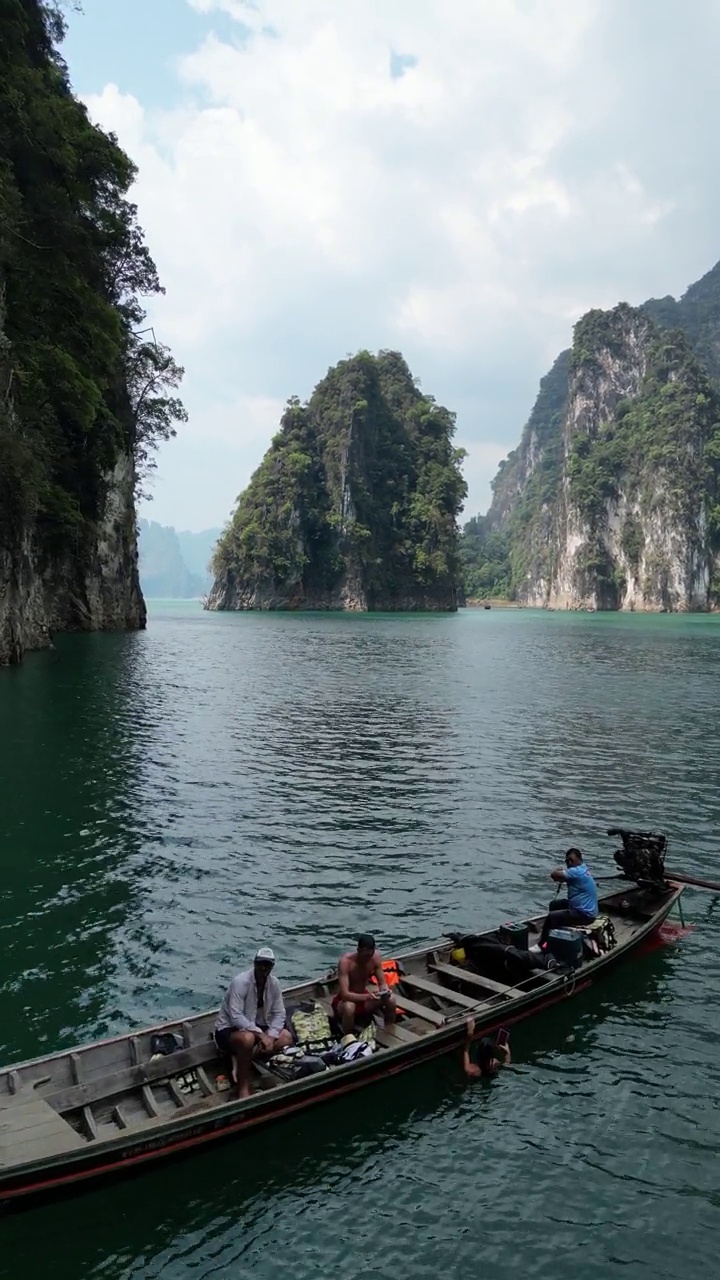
<point>252,1018</point>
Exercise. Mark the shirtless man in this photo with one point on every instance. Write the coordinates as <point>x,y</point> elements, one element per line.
<point>354,1002</point>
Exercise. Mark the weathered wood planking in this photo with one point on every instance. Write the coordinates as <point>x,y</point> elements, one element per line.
<point>108,1086</point>
<point>442,993</point>
<point>29,1129</point>
<point>420,1010</point>
<point>473,979</point>
<point>393,1037</point>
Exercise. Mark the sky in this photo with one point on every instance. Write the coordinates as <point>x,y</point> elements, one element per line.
<point>459,180</point>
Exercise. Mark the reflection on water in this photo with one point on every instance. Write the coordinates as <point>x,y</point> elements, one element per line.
<point>174,799</point>
<point>68,791</point>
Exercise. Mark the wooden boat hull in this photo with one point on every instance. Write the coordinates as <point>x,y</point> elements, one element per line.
<point>28,1092</point>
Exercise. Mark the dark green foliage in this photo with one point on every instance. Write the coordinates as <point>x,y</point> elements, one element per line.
<point>151,373</point>
<point>598,333</point>
<point>597,574</point>
<point>698,315</point>
<point>282,518</point>
<point>665,313</point>
<point>632,540</point>
<point>665,438</point>
<point>80,387</point>
<point>524,495</point>
<point>485,561</point>
<point>362,479</point>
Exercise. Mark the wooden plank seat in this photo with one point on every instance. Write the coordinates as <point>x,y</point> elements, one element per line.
<point>392,1037</point>
<point>30,1129</point>
<point>472,979</point>
<point>442,993</point>
<point>82,1095</point>
<point>418,1010</point>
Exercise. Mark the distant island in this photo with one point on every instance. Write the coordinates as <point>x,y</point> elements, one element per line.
<point>175,566</point>
<point>612,498</point>
<point>354,505</point>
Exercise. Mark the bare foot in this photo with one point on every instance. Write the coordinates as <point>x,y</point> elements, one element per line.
<point>243,1091</point>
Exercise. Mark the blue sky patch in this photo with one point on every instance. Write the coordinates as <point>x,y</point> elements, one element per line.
<point>136,44</point>
<point>400,63</point>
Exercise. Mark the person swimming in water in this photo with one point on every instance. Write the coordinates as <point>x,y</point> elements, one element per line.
<point>491,1056</point>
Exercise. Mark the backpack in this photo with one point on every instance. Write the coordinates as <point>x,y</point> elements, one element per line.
<point>353,1051</point>
<point>165,1042</point>
<point>599,936</point>
<point>310,1026</point>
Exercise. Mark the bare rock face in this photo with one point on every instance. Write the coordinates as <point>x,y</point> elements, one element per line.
<point>94,589</point>
<point>611,500</point>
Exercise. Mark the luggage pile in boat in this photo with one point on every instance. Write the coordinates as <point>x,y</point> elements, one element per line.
<point>317,1048</point>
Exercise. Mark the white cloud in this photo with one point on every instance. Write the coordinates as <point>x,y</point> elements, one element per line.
<point>301,202</point>
<point>222,444</point>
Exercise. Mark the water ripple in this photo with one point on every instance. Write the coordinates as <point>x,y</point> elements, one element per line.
<point>173,799</point>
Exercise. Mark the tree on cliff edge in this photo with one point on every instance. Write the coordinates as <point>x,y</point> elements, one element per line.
<point>73,268</point>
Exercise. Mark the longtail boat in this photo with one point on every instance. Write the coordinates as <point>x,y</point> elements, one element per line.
<point>115,1107</point>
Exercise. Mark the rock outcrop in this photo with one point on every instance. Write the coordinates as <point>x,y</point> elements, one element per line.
<point>611,500</point>
<point>91,587</point>
<point>355,504</point>
<point>83,390</point>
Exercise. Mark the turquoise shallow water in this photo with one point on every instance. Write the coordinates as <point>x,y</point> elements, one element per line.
<point>170,800</point>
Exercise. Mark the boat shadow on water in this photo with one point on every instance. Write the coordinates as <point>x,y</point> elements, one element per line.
<point>223,1189</point>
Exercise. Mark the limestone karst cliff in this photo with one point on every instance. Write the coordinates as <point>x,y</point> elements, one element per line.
<point>83,393</point>
<point>174,565</point>
<point>355,504</point>
<point>611,500</point>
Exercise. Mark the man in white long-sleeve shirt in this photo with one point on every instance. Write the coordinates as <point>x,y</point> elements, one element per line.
<point>252,1018</point>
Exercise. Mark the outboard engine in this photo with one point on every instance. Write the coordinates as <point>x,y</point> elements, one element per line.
<point>642,857</point>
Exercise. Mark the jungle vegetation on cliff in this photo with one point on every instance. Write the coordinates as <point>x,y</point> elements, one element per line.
<point>625,431</point>
<point>80,383</point>
<point>355,503</point>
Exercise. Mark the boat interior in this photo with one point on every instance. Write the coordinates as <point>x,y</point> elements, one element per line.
<point>107,1090</point>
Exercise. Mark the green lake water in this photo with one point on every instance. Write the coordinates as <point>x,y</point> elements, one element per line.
<point>173,799</point>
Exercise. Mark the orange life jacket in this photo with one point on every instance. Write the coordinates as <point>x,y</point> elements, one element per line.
<point>391,970</point>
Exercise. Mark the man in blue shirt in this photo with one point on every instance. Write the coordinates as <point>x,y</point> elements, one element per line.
<point>581,904</point>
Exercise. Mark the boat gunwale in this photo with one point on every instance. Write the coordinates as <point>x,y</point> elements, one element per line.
<point>674,889</point>
<point>172,1133</point>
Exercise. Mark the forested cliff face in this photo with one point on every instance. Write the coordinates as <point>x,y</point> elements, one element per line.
<point>612,499</point>
<point>355,504</point>
<point>84,396</point>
